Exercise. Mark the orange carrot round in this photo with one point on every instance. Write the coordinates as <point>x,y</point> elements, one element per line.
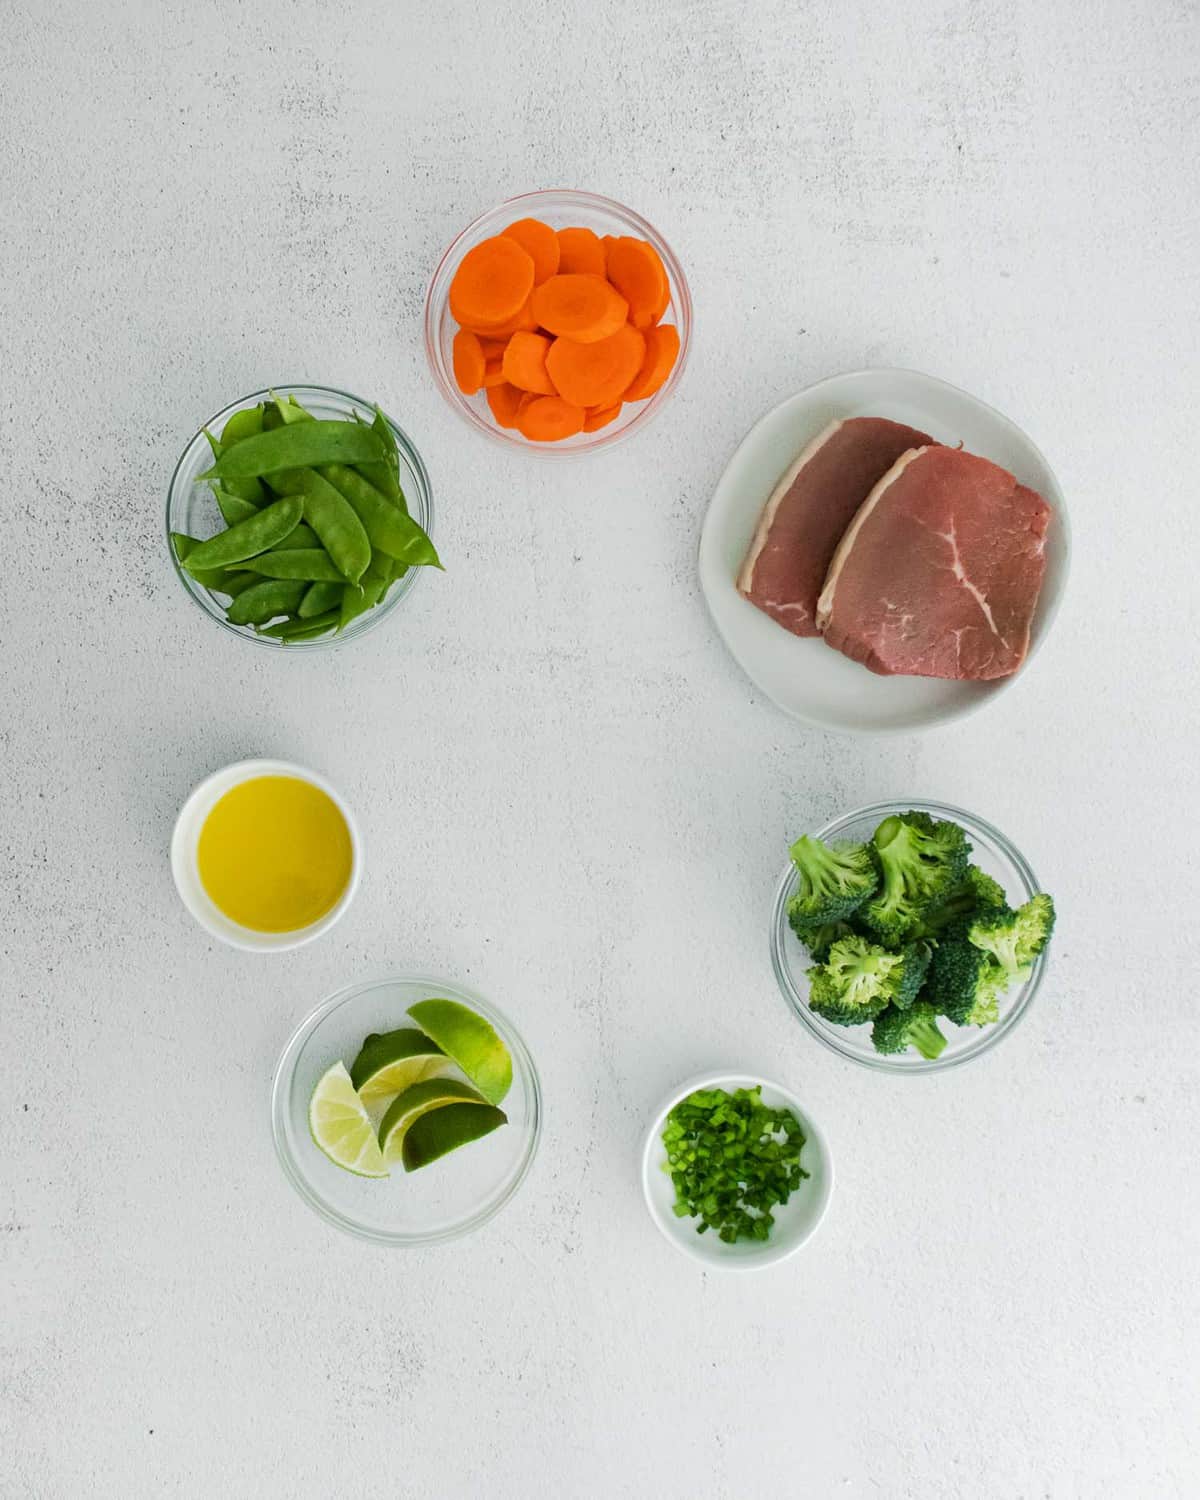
<point>662,350</point>
<point>549,419</point>
<point>493,373</point>
<point>596,374</point>
<point>580,253</point>
<point>492,282</point>
<point>500,331</point>
<point>636,271</point>
<point>583,308</point>
<point>468,359</point>
<point>525,363</point>
<point>601,416</point>
<point>540,242</point>
<point>504,400</point>
<point>493,348</point>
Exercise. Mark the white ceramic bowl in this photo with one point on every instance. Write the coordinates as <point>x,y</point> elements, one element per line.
<point>795,1222</point>
<point>806,678</point>
<point>186,838</point>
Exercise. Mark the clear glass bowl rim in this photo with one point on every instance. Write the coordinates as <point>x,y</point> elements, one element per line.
<point>281,1082</point>
<point>373,618</point>
<point>438,291</point>
<point>781,932</point>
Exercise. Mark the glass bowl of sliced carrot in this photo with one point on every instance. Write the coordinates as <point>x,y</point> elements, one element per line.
<point>558,322</point>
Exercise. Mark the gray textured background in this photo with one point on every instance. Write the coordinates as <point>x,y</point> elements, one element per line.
<point>572,798</point>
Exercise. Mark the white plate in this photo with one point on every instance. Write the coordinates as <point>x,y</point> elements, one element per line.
<point>795,1222</point>
<point>806,678</point>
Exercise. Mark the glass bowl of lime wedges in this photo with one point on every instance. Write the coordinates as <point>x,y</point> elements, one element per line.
<point>406,1110</point>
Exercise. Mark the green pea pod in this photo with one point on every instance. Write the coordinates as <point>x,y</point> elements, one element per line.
<point>297,445</point>
<point>232,507</point>
<point>321,598</point>
<point>243,424</point>
<point>182,544</point>
<point>303,536</point>
<point>252,490</point>
<point>375,580</point>
<point>263,601</point>
<point>397,575</point>
<point>291,411</point>
<point>302,629</point>
<point>229,581</point>
<point>271,417</point>
<point>390,530</point>
<point>248,538</point>
<point>313,564</point>
<point>384,475</point>
<point>333,519</point>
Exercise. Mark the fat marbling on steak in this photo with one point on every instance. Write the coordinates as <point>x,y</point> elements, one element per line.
<point>808,511</point>
<point>939,572</point>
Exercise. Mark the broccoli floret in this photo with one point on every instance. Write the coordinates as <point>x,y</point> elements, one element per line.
<point>965,983</point>
<point>859,978</point>
<point>833,881</point>
<point>921,862</point>
<point>819,938</point>
<point>976,893</point>
<point>896,1030</point>
<point>1015,938</point>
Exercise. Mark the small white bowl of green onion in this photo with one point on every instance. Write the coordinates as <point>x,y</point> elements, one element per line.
<point>735,1172</point>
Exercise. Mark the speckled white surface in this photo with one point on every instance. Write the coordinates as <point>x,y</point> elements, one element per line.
<point>571,798</point>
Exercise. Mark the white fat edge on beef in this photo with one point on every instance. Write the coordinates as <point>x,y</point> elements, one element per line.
<point>745,578</point>
<point>846,545</point>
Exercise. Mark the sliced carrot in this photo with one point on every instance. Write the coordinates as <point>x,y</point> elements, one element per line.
<point>493,373</point>
<point>601,416</point>
<point>500,331</point>
<point>504,400</point>
<point>580,253</point>
<point>583,308</point>
<point>525,363</point>
<point>493,348</point>
<point>527,399</point>
<point>468,359</point>
<point>549,419</point>
<point>492,282</point>
<point>596,374</point>
<point>540,242</point>
<point>662,350</point>
<point>636,271</point>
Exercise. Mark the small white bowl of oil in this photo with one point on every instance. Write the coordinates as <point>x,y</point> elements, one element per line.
<point>266,855</point>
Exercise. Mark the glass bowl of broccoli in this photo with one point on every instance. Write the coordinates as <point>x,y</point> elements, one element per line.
<point>909,936</point>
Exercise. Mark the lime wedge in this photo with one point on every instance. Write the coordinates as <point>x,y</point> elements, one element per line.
<point>471,1041</point>
<point>391,1061</point>
<point>342,1128</point>
<point>416,1101</point>
<point>445,1129</point>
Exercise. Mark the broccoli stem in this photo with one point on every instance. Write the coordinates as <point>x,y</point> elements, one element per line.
<point>926,1037</point>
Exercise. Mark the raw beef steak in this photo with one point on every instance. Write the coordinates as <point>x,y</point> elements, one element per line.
<point>939,572</point>
<point>808,511</point>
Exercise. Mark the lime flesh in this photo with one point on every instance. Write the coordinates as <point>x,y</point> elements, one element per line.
<point>432,1093</point>
<point>341,1127</point>
<point>446,1129</point>
<point>391,1061</point>
<point>471,1041</point>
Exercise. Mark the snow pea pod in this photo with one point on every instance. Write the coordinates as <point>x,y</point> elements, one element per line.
<point>321,598</point>
<point>243,424</point>
<point>331,516</point>
<point>232,507</point>
<point>252,490</point>
<point>389,529</point>
<point>248,538</point>
<point>218,580</point>
<point>301,629</point>
<point>385,474</point>
<point>296,445</point>
<point>375,580</point>
<point>263,601</point>
<point>313,564</point>
<point>303,536</point>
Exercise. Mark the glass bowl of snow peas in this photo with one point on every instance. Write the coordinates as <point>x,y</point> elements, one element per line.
<point>992,854</point>
<point>309,471</point>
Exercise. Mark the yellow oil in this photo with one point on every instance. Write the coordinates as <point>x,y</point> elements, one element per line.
<point>274,854</point>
